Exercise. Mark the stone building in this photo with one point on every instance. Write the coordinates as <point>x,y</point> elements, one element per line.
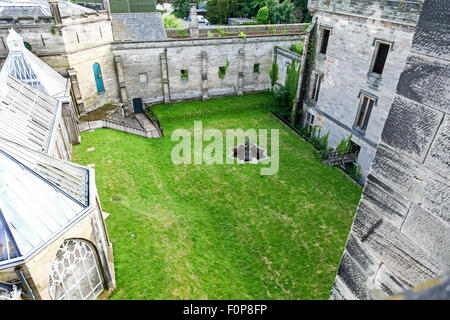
<point>400,236</point>
<point>53,238</point>
<point>360,49</point>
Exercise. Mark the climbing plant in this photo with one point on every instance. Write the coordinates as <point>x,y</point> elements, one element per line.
<point>274,72</point>
<point>223,70</point>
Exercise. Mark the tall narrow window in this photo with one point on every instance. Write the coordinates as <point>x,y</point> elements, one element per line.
<point>324,42</point>
<point>381,53</point>
<point>316,87</point>
<point>98,78</point>
<point>363,115</point>
<point>309,121</point>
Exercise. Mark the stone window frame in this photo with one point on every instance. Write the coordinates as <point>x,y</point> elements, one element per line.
<point>376,43</point>
<point>257,65</point>
<point>322,28</point>
<point>317,79</point>
<point>367,113</point>
<point>309,121</point>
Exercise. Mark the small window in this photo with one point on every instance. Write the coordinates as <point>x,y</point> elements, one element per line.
<point>355,148</point>
<point>143,77</point>
<point>256,68</point>
<point>363,115</point>
<point>316,87</point>
<point>309,121</point>
<point>324,42</point>
<point>381,53</point>
<point>184,74</point>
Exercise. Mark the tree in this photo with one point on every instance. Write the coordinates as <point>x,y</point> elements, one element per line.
<point>281,13</point>
<point>181,7</point>
<point>170,21</point>
<point>301,10</point>
<point>249,8</point>
<point>263,16</point>
<point>220,10</point>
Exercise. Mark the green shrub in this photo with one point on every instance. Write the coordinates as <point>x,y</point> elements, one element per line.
<point>274,72</point>
<point>242,35</point>
<point>170,21</point>
<point>223,70</point>
<point>262,16</point>
<point>210,34</point>
<point>182,33</point>
<point>220,31</point>
<point>297,48</point>
<point>345,145</point>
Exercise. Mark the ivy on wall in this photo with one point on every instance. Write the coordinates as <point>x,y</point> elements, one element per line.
<point>223,70</point>
<point>274,72</point>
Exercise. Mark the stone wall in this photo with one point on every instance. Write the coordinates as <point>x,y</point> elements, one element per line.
<point>147,65</point>
<point>345,71</point>
<point>401,233</point>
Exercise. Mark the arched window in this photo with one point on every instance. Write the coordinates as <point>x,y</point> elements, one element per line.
<point>75,273</point>
<point>28,46</point>
<point>98,78</point>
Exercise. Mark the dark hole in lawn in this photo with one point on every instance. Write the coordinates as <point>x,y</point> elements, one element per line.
<point>248,152</point>
<point>115,199</point>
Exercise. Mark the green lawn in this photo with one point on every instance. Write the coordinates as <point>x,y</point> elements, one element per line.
<point>220,231</point>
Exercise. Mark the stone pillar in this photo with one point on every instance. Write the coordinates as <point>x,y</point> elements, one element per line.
<point>121,78</point>
<point>240,82</point>
<point>54,7</point>
<point>205,95</point>
<point>107,7</point>
<point>76,91</point>
<point>193,24</point>
<point>165,76</point>
<point>69,116</point>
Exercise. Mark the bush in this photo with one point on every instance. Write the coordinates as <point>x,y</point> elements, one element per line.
<point>263,16</point>
<point>283,102</point>
<point>274,72</point>
<point>297,48</point>
<point>170,21</point>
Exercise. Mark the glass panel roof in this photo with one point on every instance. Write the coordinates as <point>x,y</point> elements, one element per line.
<point>39,8</point>
<point>23,65</point>
<point>32,210</point>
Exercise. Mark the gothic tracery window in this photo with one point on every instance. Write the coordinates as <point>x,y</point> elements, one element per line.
<point>75,273</point>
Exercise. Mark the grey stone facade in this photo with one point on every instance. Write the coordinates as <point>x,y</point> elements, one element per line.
<point>152,70</point>
<point>356,28</point>
<point>400,236</point>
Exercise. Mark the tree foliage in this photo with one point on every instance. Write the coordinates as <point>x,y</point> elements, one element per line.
<point>263,16</point>
<point>220,10</point>
<point>281,13</point>
<point>170,21</point>
<point>181,7</point>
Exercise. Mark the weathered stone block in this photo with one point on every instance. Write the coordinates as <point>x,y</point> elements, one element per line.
<point>426,81</point>
<point>389,203</point>
<point>340,291</point>
<point>411,127</point>
<point>398,253</point>
<point>361,255</point>
<point>438,159</point>
<point>428,233</point>
<point>353,276</point>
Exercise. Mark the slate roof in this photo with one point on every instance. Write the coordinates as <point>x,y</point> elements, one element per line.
<point>35,207</point>
<point>146,26</point>
<point>39,8</point>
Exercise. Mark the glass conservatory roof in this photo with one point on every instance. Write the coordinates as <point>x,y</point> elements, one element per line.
<point>39,8</point>
<point>25,66</point>
<point>27,115</point>
<point>33,210</point>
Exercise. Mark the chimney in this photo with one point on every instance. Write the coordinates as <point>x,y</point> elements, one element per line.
<point>193,25</point>
<point>54,7</point>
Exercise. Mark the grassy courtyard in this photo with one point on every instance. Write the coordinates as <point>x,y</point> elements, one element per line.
<point>220,231</point>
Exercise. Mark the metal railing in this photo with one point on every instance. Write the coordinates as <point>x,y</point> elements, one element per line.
<point>154,119</point>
